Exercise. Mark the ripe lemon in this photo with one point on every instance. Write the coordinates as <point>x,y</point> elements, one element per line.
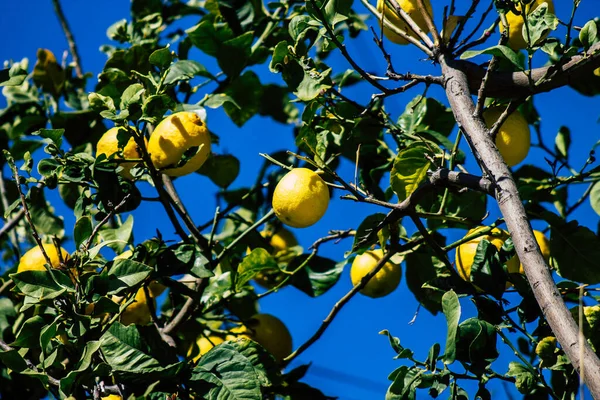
<point>300,198</point>
<point>204,345</point>
<point>544,244</point>
<point>516,40</point>
<point>385,281</point>
<point>597,72</point>
<point>109,145</point>
<point>281,241</point>
<point>514,137</point>
<point>465,253</point>
<point>180,144</point>
<point>411,7</point>
<point>34,260</point>
<point>138,312</point>
<point>268,331</point>
<point>112,397</point>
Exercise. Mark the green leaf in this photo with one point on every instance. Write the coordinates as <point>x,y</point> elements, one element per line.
<point>229,372</point>
<point>313,84</point>
<point>246,91</point>
<point>317,276</point>
<point>539,24</point>
<point>525,377</point>
<point>83,364</point>
<point>13,76</point>
<point>452,311</point>
<point>562,142</point>
<point>40,285</point>
<point>126,273</point>
<point>122,348</point>
<point>132,95</point>
<point>156,106</point>
<point>118,237</point>
<point>476,343</point>
<point>470,205</point>
<point>365,235</point>
<point>45,221</point>
<point>423,266</point>
<point>82,230</point>
<point>233,54</point>
<point>409,170</point>
<point>221,169</point>
<point>500,51</point>
<point>161,57</point>
<point>405,382</point>
<point>99,102</point>
<point>487,272</point>
<point>55,135</point>
<point>258,260</point>
<point>208,37</point>
<point>12,359</point>
<point>575,252</point>
<point>29,334</point>
<point>427,114</point>
<point>588,35</point>
<point>184,70</point>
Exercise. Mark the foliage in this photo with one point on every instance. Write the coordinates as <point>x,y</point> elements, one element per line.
<point>62,330</point>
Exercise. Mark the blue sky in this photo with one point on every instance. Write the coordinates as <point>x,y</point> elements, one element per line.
<point>351,360</point>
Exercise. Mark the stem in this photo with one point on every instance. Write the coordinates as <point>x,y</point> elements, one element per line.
<point>70,39</point>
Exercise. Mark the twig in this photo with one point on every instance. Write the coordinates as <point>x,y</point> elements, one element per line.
<point>34,233</point>
<point>30,365</point>
<point>5,206</point>
<point>397,30</point>
<point>103,222</point>
<point>481,93</point>
<point>235,241</point>
<point>70,39</point>
<point>11,223</point>
<point>412,24</point>
<point>512,107</point>
<point>430,24</point>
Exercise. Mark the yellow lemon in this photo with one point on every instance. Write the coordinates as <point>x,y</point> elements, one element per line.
<point>268,331</point>
<point>112,397</point>
<point>180,144</point>
<point>109,145</point>
<point>156,288</point>
<point>514,137</point>
<point>138,312</point>
<point>411,7</point>
<point>516,40</point>
<point>300,198</point>
<point>597,72</point>
<point>281,241</point>
<point>204,345</point>
<point>544,244</point>
<point>34,260</point>
<point>385,281</point>
<point>465,253</point>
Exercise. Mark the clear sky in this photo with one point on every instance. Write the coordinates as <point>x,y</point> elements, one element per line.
<point>351,360</point>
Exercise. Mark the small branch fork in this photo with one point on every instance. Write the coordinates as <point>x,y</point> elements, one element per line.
<point>70,39</point>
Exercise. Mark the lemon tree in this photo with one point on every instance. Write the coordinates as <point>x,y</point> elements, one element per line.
<point>172,213</point>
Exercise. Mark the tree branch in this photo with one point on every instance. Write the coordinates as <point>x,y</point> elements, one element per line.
<point>554,309</point>
<point>70,39</point>
<point>518,84</point>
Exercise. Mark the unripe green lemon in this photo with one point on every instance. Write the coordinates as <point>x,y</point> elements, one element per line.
<point>385,281</point>
<point>411,7</point>
<point>180,135</point>
<point>514,137</point>
<point>300,198</point>
<point>546,348</point>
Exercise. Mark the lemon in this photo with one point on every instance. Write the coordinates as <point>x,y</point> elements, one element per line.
<point>109,145</point>
<point>34,260</point>
<point>514,137</point>
<point>268,331</point>
<point>204,345</point>
<point>597,72</point>
<point>411,7</point>
<point>180,135</point>
<point>281,241</point>
<point>516,40</point>
<point>300,198</point>
<point>546,348</point>
<point>112,397</point>
<point>465,253</point>
<point>385,281</point>
<point>544,244</point>
<point>138,312</point>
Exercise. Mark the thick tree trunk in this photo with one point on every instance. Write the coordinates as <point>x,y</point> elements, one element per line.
<point>558,316</point>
